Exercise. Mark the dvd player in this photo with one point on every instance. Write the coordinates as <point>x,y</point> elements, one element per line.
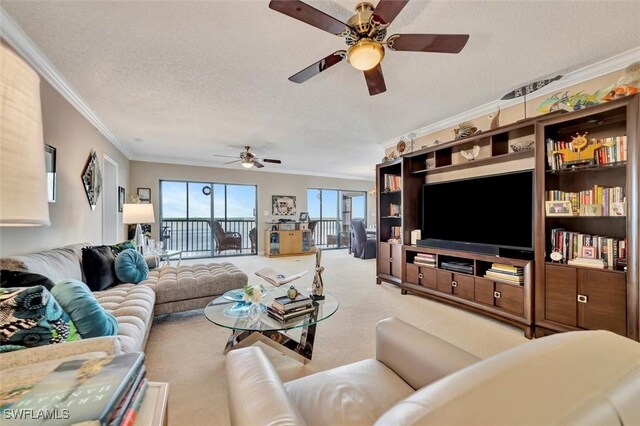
<point>463,267</point>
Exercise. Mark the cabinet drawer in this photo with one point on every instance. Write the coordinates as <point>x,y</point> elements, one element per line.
<point>511,298</point>
<point>561,291</point>
<point>412,272</point>
<point>443,282</point>
<point>429,278</point>
<point>462,286</point>
<point>483,292</point>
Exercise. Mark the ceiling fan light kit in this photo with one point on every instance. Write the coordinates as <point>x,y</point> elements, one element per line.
<point>248,159</point>
<point>365,33</point>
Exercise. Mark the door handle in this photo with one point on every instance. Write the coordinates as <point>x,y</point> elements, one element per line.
<point>582,298</point>
<point>454,284</point>
<point>497,294</point>
<point>420,276</point>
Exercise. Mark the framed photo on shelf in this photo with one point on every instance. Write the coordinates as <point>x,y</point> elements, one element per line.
<point>591,210</point>
<point>304,217</point>
<point>589,252</point>
<point>121,198</point>
<point>558,208</point>
<point>617,208</point>
<point>144,194</point>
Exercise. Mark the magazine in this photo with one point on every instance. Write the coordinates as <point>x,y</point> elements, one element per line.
<point>277,279</point>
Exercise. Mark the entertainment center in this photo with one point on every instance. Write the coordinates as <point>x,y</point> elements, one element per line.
<point>490,245</point>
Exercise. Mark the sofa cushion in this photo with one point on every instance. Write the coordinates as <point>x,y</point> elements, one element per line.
<point>132,306</point>
<point>14,279</point>
<point>173,284</point>
<point>353,394</point>
<point>116,249</point>
<point>131,267</point>
<point>57,264</point>
<point>31,317</point>
<point>98,265</point>
<point>90,318</point>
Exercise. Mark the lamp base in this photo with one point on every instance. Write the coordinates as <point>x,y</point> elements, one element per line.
<point>139,238</point>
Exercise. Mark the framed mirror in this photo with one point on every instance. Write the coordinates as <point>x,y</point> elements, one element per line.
<point>92,179</point>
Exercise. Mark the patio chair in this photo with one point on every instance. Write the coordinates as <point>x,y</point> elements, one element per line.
<point>226,240</point>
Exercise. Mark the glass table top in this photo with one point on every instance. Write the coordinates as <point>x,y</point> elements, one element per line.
<point>232,314</point>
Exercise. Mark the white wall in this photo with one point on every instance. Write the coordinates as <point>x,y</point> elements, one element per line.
<point>148,175</point>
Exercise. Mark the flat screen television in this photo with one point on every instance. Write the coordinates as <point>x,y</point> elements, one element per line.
<point>495,210</point>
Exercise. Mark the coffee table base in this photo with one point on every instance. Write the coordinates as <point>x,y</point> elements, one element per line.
<point>302,350</point>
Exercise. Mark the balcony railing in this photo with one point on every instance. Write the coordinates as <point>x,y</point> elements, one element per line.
<point>330,233</point>
<point>194,237</point>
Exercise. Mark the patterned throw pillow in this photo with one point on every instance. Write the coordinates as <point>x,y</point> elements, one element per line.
<point>31,317</point>
<point>116,249</point>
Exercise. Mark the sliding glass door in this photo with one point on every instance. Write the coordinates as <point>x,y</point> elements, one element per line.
<point>331,212</point>
<point>205,219</point>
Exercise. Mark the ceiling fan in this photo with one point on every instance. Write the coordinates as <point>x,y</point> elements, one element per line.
<point>248,159</point>
<point>365,34</point>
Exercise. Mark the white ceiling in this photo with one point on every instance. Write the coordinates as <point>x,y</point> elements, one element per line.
<point>179,81</point>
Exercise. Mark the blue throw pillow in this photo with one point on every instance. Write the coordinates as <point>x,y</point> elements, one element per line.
<point>90,319</point>
<point>131,267</point>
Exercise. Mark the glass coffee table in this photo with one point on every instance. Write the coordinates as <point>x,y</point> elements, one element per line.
<point>279,335</point>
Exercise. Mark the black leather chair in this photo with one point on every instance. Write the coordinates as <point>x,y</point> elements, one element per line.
<point>362,247</point>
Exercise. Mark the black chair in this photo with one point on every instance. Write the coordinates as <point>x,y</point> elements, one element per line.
<point>363,247</point>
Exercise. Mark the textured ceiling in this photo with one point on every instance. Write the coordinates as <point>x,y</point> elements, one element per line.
<point>178,81</point>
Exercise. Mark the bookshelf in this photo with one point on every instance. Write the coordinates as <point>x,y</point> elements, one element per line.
<point>569,294</point>
<point>389,182</point>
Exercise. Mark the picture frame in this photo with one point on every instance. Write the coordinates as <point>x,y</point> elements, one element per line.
<point>588,252</point>
<point>617,208</point>
<point>50,165</point>
<point>121,198</point>
<point>590,210</point>
<point>304,217</point>
<point>92,179</point>
<point>144,194</point>
<point>559,208</point>
<point>283,205</point>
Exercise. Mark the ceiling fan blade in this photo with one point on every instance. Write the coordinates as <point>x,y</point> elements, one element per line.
<point>228,156</point>
<point>258,164</point>
<point>268,160</point>
<point>437,43</point>
<point>387,10</point>
<point>375,80</point>
<point>318,67</point>
<point>234,161</point>
<point>305,13</point>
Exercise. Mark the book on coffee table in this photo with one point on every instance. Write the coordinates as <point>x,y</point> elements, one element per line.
<point>277,279</point>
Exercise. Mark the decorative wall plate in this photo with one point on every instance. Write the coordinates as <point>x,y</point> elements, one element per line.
<point>92,179</point>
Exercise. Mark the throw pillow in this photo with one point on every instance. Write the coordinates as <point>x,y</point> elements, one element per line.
<point>31,317</point>
<point>131,267</point>
<point>87,314</point>
<point>23,279</point>
<point>98,266</point>
<point>116,249</point>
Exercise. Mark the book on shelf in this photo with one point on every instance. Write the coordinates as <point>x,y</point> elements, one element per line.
<point>90,390</point>
<point>392,183</point>
<point>285,304</point>
<point>290,315</point>
<point>515,279</point>
<point>396,232</point>
<point>573,245</point>
<point>277,279</point>
<point>394,209</point>
<point>591,263</point>
<point>612,200</point>
<point>613,150</point>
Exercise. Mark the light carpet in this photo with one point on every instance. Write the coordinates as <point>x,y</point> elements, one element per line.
<point>185,349</point>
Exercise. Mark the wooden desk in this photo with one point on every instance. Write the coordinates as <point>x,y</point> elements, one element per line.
<point>154,408</point>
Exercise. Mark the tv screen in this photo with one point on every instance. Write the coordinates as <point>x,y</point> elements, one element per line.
<point>495,210</point>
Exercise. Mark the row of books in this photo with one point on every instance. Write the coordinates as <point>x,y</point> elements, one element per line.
<point>284,308</point>
<point>96,391</point>
<point>613,149</point>
<point>599,195</point>
<point>392,183</point>
<point>425,259</point>
<point>396,232</point>
<point>574,245</point>
<point>503,272</point>
<point>394,209</point>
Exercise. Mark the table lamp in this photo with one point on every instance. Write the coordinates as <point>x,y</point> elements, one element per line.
<point>23,177</point>
<point>137,214</point>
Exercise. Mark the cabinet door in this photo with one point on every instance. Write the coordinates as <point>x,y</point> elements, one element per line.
<point>444,281</point>
<point>483,291</point>
<point>604,305</point>
<point>429,277</point>
<point>462,286</point>
<point>384,258</point>
<point>396,260</point>
<point>510,298</point>
<point>561,291</point>
<point>273,242</point>
<point>412,272</point>
<point>285,242</point>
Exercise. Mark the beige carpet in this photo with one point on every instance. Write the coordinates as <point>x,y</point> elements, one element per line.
<point>185,349</point>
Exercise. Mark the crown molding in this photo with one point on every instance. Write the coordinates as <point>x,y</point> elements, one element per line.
<point>183,162</point>
<point>13,35</point>
<point>580,75</point>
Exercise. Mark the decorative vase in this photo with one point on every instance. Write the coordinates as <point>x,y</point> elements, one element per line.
<point>254,311</point>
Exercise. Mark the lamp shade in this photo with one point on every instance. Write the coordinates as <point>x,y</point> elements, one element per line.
<point>23,178</point>
<point>137,213</point>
